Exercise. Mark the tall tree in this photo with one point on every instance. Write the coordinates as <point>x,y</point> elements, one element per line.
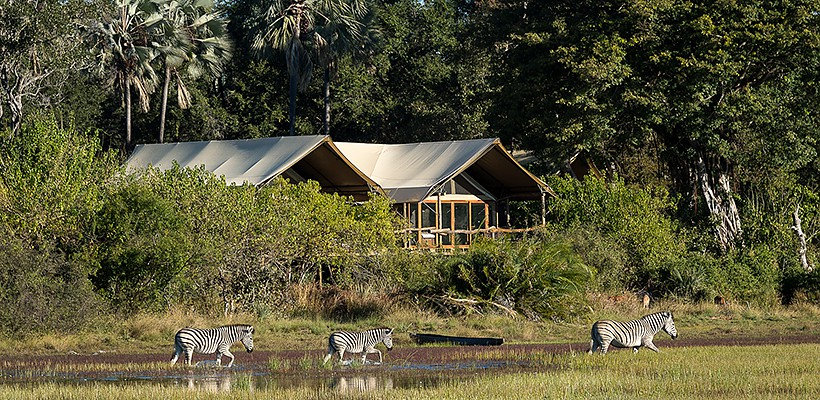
<point>285,25</point>
<point>347,27</point>
<point>195,44</point>
<point>426,81</point>
<point>298,27</point>
<point>685,80</point>
<point>39,47</point>
<point>123,41</point>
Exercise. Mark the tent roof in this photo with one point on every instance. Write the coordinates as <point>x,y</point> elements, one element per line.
<point>257,161</point>
<point>413,172</point>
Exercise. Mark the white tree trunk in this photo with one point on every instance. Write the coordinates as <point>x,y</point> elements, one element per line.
<point>798,229</point>
<point>717,192</point>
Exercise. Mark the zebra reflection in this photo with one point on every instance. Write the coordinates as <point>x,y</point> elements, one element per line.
<point>211,384</point>
<point>359,384</point>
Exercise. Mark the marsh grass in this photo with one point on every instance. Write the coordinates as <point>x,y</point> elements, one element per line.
<point>154,333</point>
<point>759,372</point>
<point>23,369</point>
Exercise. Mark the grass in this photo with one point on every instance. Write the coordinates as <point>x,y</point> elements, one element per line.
<point>759,372</point>
<point>154,333</point>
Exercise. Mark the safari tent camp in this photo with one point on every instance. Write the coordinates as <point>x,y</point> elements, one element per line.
<point>257,161</point>
<point>448,192</point>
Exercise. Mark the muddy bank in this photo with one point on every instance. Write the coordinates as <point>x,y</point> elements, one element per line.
<point>260,358</point>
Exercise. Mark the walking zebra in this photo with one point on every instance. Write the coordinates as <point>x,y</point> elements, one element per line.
<point>632,334</point>
<point>207,341</point>
<point>359,342</point>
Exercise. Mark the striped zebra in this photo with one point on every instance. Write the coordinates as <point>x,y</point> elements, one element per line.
<point>359,342</point>
<point>208,341</point>
<point>632,334</point>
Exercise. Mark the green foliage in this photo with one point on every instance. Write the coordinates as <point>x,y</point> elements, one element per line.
<point>43,291</point>
<point>628,225</point>
<point>535,277</point>
<point>142,246</point>
<point>51,185</point>
<point>183,236</point>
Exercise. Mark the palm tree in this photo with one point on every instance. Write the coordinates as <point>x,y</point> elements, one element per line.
<point>346,28</point>
<point>196,43</point>
<point>284,25</point>
<point>123,43</point>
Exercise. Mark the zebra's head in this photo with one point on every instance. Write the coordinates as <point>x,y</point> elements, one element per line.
<point>247,338</point>
<point>388,339</point>
<point>669,326</point>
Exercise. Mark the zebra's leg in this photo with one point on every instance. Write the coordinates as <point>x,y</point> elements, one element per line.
<point>372,351</point>
<point>604,347</point>
<point>229,355</point>
<point>635,349</point>
<point>188,355</point>
<point>594,345</point>
<point>341,355</point>
<point>648,343</point>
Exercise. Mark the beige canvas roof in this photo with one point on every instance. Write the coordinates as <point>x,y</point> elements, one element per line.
<point>257,161</point>
<point>412,172</point>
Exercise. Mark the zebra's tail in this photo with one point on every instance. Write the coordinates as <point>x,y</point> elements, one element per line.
<point>330,349</point>
<point>177,351</point>
<point>595,338</point>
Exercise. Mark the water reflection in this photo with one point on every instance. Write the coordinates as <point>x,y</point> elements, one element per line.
<point>340,384</point>
<point>259,379</point>
<point>211,384</point>
<point>358,384</point>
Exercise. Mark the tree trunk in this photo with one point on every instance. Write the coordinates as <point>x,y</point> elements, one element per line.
<point>714,184</point>
<point>127,114</point>
<point>164,104</point>
<point>294,83</point>
<point>801,237</point>
<point>327,101</point>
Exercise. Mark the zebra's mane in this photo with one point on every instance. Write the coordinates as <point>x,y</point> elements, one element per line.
<point>664,314</point>
<point>236,325</point>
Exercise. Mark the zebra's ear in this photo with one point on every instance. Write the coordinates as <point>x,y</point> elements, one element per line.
<point>390,332</point>
<point>250,329</point>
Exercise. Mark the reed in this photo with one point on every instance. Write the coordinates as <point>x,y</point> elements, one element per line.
<point>771,371</point>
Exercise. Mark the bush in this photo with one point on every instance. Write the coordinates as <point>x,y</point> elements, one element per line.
<point>51,185</point>
<point>799,286</point>
<point>530,276</point>
<point>193,240</point>
<point>142,246</point>
<point>625,233</point>
<point>43,292</point>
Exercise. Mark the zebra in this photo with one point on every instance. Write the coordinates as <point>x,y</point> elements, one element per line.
<point>359,342</point>
<point>632,334</point>
<point>207,341</point>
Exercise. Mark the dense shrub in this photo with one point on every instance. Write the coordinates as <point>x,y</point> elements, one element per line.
<point>50,191</point>
<point>194,240</point>
<point>141,247</point>
<point>799,286</point>
<point>629,227</point>
<point>43,291</point>
<point>51,184</point>
<point>533,277</point>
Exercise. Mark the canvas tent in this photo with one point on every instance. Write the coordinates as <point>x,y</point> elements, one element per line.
<point>257,161</point>
<point>449,190</point>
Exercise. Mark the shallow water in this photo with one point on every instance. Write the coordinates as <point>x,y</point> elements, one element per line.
<point>256,377</point>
